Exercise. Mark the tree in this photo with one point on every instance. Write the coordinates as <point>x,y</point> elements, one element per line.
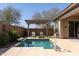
<point>10,15</point>
<point>0,14</point>
<point>50,14</point>
<point>37,16</point>
<point>46,15</point>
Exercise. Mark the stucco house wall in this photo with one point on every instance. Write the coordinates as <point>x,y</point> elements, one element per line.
<point>71,13</point>
<point>64,26</point>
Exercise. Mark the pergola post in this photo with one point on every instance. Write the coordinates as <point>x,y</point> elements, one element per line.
<point>47,30</point>
<point>28,30</point>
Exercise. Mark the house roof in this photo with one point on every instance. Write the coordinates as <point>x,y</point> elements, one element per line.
<point>37,21</point>
<point>71,7</point>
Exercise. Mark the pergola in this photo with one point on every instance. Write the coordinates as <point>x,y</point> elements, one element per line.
<point>38,22</point>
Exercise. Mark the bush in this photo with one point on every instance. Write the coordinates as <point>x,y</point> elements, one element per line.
<point>13,35</point>
<point>41,36</point>
<point>4,39</point>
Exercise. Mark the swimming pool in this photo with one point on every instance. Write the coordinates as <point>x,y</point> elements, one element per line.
<point>45,43</point>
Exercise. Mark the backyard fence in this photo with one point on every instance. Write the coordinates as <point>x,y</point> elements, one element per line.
<point>7,28</point>
<point>24,31</point>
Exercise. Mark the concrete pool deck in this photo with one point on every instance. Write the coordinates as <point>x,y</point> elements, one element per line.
<point>69,47</point>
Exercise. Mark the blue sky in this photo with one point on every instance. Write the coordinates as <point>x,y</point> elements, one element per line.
<point>28,9</point>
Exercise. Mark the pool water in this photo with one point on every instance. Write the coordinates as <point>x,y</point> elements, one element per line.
<point>45,43</point>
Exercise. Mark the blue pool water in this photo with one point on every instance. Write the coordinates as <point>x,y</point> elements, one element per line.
<point>45,43</point>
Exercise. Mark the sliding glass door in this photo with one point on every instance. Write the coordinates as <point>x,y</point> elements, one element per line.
<point>73,29</point>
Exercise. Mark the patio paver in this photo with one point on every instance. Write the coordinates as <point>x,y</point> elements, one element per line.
<point>22,51</point>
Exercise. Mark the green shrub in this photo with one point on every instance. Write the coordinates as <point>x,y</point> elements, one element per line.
<point>34,36</point>
<point>41,36</point>
<point>13,35</point>
<point>4,39</point>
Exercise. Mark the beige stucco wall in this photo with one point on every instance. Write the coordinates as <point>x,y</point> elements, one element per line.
<point>64,26</point>
<point>63,22</point>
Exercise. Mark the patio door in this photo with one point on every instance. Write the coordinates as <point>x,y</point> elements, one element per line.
<point>77,28</point>
<point>73,29</point>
